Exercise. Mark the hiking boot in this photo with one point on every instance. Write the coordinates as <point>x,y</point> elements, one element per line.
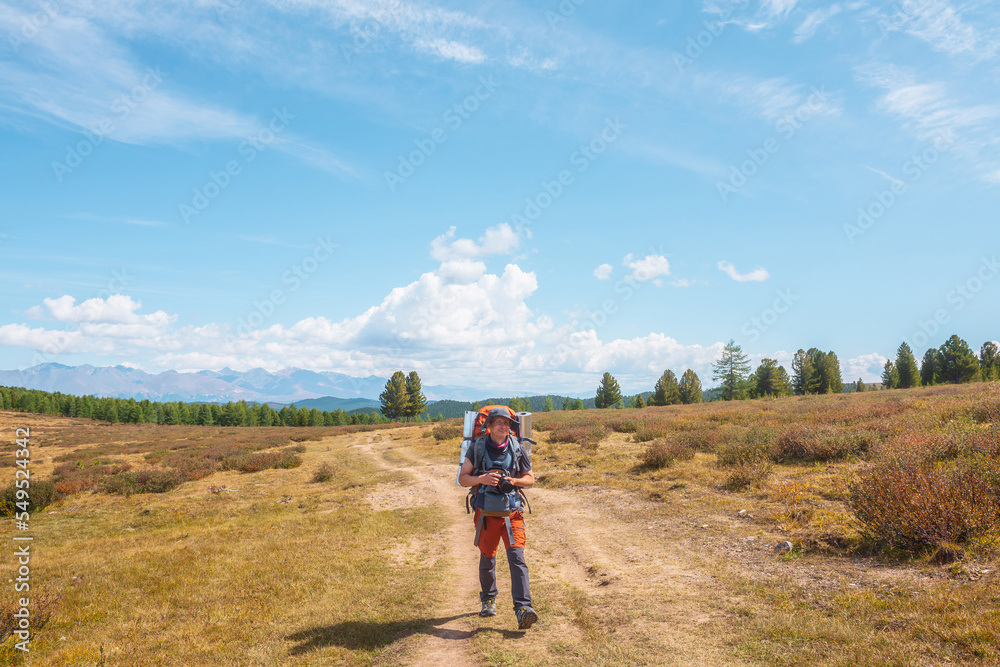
<point>526,617</point>
<point>489,608</point>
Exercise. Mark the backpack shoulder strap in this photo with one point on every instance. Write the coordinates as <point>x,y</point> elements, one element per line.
<point>478,454</point>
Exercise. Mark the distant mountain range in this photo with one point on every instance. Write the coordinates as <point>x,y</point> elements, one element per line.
<point>258,385</point>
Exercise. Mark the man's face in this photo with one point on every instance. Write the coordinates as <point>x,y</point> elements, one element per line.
<point>500,427</point>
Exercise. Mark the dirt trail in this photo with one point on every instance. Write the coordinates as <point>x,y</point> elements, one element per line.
<point>600,543</point>
<point>445,641</point>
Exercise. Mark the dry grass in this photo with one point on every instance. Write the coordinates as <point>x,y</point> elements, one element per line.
<point>228,578</point>
<point>632,562</point>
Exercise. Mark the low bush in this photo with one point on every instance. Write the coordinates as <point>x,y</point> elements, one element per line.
<point>646,433</point>
<point>150,480</point>
<point>447,431</point>
<point>909,501</point>
<point>624,425</point>
<point>324,473</point>
<point>257,461</point>
<point>587,434</point>
<point>749,459</point>
<point>662,453</point>
<point>822,443</point>
<point>40,494</point>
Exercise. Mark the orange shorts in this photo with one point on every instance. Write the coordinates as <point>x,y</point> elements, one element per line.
<point>494,529</point>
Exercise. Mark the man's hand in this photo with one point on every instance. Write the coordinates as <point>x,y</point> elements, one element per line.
<point>490,479</point>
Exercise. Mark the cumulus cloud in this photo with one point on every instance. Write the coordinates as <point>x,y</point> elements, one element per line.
<point>603,272</point>
<point>868,367</point>
<point>116,309</point>
<point>498,240</point>
<point>650,267</point>
<point>759,274</point>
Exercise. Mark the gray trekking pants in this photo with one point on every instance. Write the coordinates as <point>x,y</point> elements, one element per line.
<point>518,577</point>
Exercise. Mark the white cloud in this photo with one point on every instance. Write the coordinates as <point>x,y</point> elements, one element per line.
<point>940,25</point>
<point>683,282</point>
<point>603,272</point>
<point>116,309</point>
<point>650,267</point>
<point>866,366</point>
<point>498,240</point>
<point>778,8</point>
<point>815,19</point>
<point>73,74</point>
<point>757,275</point>
<point>450,50</point>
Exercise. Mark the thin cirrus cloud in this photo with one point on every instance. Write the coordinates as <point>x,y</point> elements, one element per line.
<point>759,274</point>
<point>73,74</point>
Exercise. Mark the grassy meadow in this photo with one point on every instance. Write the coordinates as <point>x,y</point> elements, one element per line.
<point>207,545</point>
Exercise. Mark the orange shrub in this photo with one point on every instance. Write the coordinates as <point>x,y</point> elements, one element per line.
<point>910,501</point>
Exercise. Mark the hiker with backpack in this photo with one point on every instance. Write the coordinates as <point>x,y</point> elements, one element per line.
<point>497,467</point>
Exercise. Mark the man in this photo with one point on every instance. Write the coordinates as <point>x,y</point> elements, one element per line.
<point>501,449</point>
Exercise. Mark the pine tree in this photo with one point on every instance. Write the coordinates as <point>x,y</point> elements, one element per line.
<point>476,407</point>
<point>890,376</point>
<point>578,404</point>
<point>666,391</point>
<point>639,402</point>
<point>516,404</point>
<point>690,388</point>
<point>394,397</point>
<point>608,392</point>
<point>568,404</point>
<point>801,370</point>
<point>930,367</point>
<point>958,363</point>
<point>731,368</point>
<point>549,405</point>
<point>205,415</point>
<point>906,367</point>
<point>770,379</point>
<point>989,361</point>
<point>416,402</point>
<point>860,386</point>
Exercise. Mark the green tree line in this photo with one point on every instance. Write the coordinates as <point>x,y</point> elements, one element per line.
<point>131,411</point>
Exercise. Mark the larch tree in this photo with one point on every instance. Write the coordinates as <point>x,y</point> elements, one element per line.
<point>732,368</point>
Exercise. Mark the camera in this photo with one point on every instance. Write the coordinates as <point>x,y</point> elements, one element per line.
<point>504,486</point>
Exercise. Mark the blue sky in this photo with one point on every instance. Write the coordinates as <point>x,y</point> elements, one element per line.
<point>499,195</point>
